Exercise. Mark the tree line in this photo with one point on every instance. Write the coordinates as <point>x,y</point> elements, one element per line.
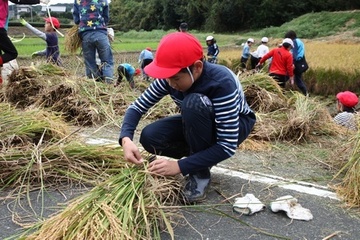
<point>219,15</point>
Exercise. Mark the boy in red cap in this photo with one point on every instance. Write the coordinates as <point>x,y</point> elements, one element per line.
<point>52,51</point>
<point>346,102</point>
<point>214,119</point>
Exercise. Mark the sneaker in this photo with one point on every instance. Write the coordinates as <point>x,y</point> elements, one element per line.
<point>195,188</point>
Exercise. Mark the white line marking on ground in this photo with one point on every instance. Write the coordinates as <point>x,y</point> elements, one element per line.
<point>294,185</point>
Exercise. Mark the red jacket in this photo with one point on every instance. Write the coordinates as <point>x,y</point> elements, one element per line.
<point>282,61</point>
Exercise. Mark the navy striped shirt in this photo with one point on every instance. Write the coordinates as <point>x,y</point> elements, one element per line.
<point>223,88</point>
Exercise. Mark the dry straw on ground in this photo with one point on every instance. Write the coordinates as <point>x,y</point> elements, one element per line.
<point>349,187</point>
<point>291,117</point>
<point>23,128</point>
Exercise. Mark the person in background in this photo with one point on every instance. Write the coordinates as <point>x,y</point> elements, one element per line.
<point>246,52</point>
<point>52,51</point>
<point>8,51</point>
<point>145,58</point>
<point>261,50</point>
<point>127,71</point>
<point>183,27</point>
<point>213,49</point>
<point>92,18</point>
<point>298,52</point>
<point>111,36</point>
<point>8,67</point>
<point>281,68</point>
<point>214,118</point>
<point>346,102</point>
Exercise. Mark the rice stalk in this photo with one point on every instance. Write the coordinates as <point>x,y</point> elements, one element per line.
<point>307,117</point>
<point>60,164</point>
<point>128,205</point>
<point>263,93</point>
<point>349,188</point>
<point>263,80</point>
<point>26,127</point>
<point>72,41</point>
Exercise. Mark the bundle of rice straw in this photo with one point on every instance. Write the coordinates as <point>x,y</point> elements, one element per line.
<point>29,126</point>
<point>72,40</point>
<point>129,205</point>
<point>349,188</point>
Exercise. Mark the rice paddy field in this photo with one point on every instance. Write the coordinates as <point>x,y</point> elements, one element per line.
<point>45,109</point>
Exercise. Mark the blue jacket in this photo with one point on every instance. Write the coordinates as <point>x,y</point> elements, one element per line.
<point>145,54</point>
<point>298,51</point>
<point>91,15</point>
<point>213,50</point>
<point>129,68</point>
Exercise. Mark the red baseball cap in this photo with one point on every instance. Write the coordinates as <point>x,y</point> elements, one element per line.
<point>54,21</point>
<point>176,51</point>
<point>347,98</point>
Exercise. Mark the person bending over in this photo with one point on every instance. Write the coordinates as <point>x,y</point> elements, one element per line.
<point>214,117</point>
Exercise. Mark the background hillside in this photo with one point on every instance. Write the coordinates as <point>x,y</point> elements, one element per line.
<point>219,15</point>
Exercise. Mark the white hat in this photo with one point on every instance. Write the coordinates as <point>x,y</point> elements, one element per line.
<point>289,41</point>
<point>209,38</point>
<point>250,40</point>
<point>264,39</point>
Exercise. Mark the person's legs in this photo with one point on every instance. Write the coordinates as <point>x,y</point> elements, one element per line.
<point>106,56</point>
<point>280,79</point>
<point>7,47</point>
<point>300,83</point>
<point>254,61</point>
<point>243,62</point>
<point>144,63</point>
<point>89,52</point>
<point>199,130</point>
<point>165,137</point>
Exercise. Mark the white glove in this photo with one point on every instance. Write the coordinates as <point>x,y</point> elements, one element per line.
<point>293,209</point>
<point>248,204</point>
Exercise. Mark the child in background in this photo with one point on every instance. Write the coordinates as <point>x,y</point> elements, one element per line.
<point>246,52</point>
<point>261,50</point>
<point>127,71</point>
<point>213,49</point>
<point>145,58</point>
<point>183,27</point>
<point>281,68</point>
<point>346,102</point>
<point>50,36</point>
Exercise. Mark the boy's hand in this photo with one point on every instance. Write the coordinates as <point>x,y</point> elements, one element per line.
<point>23,21</point>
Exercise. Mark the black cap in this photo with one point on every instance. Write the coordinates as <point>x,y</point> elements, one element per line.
<point>184,26</point>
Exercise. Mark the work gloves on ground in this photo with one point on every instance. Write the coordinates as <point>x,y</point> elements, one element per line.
<point>249,204</point>
<point>293,209</point>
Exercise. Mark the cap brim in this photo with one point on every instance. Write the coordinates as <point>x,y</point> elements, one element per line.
<point>159,72</point>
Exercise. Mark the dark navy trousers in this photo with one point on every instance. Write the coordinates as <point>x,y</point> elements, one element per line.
<point>189,132</point>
